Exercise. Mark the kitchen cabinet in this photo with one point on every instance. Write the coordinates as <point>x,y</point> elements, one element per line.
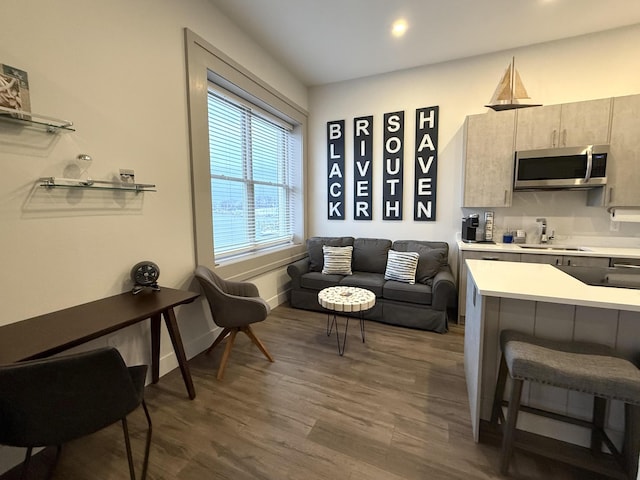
<point>623,174</point>
<point>462,273</point>
<point>488,170</point>
<point>566,125</point>
<point>567,260</point>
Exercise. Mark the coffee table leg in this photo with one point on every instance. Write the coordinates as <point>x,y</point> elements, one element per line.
<point>362,325</point>
<point>344,339</point>
<point>330,325</point>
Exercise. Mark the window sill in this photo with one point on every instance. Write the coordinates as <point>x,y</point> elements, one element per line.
<point>253,264</point>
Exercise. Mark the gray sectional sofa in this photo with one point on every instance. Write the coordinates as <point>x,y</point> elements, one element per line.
<point>422,305</point>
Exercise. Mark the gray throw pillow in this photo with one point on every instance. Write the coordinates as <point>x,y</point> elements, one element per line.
<point>429,263</point>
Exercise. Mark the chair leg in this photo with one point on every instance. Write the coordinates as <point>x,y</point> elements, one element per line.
<point>249,332</point>
<point>53,466</point>
<point>25,464</point>
<point>147,447</point>
<point>219,338</point>
<point>499,392</point>
<point>509,431</point>
<point>227,351</point>
<point>127,443</point>
<point>599,410</point>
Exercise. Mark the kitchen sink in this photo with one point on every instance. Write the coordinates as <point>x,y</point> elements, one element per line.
<point>558,248</point>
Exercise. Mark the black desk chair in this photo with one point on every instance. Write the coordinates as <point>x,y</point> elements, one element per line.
<point>52,401</point>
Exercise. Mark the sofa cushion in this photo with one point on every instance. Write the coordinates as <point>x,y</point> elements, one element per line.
<point>318,281</point>
<point>404,292</point>
<point>370,255</point>
<point>401,266</point>
<point>314,247</point>
<point>337,260</point>
<point>432,256</point>
<point>368,280</point>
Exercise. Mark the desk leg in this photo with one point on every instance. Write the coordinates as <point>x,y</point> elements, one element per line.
<point>155,348</point>
<point>176,339</point>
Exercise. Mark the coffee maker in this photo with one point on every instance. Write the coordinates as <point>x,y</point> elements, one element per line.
<point>469,227</point>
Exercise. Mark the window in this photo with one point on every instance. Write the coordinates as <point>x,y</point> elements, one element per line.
<point>247,189</point>
<point>251,160</point>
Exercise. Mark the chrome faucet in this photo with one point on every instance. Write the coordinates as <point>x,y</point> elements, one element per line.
<point>543,233</point>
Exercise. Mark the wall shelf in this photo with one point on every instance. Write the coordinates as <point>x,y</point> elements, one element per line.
<point>57,182</point>
<point>50,124</point>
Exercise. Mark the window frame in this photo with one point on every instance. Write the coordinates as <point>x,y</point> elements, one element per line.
<point>207,64</point>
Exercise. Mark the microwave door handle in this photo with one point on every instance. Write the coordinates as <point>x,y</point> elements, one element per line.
<point>589,153</point>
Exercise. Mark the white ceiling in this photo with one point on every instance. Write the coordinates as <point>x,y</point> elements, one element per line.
<point>325,41</point>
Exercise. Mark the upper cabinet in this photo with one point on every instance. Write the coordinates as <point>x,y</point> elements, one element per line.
<point>566,125</point>
<point>488,172</point>
<point>623,174</point>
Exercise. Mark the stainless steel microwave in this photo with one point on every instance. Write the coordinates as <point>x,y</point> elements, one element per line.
<point>561,168</point>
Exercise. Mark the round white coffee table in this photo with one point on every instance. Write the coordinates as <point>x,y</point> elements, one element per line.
<point>345,300</point>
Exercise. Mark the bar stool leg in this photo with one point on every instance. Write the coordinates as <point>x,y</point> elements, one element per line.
<point>499,392</point>
<point>599,410</point>
<point>508,434</point>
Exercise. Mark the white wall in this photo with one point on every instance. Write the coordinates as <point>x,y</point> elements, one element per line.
<point>583,68</point>
<point>117,70</point>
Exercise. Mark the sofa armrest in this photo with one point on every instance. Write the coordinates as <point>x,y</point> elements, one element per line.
<point>296,270</point>
<point>444,289</point>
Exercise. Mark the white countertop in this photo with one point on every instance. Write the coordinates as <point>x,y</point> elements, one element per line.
<point>545,283</point>
<point>588,251</point>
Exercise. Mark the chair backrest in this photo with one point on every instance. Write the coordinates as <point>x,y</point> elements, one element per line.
<point>232,304</point>
<point>57,399</point>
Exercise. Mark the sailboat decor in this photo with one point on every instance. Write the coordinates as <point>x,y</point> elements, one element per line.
<point>509,91</point>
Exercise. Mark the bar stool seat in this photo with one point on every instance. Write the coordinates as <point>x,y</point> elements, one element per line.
<point>591,368</point>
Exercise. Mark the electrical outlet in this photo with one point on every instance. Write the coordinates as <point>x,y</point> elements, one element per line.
<point>127,175</point>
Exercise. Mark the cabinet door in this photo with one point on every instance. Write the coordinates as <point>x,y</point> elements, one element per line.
<point>623,174</point>
<point>488,168</point>
<point>541,258</point>
<point>538,127</point>
<point>585,261</point>
<point>462,278</point>
<point>585,123</point>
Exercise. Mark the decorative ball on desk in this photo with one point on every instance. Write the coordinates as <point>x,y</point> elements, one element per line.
<point>145,274</point>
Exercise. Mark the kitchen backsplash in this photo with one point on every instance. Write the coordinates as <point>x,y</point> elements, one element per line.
<point>568,218</point>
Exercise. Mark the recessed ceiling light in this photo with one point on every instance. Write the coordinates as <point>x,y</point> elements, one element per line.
<point>399,28</point>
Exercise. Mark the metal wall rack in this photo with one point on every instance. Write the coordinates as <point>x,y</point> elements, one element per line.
<point>51,124</point>
<point>57,182</point>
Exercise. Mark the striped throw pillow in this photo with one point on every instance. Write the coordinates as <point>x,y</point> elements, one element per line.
<point>337,260</point>
<point>401,266</point>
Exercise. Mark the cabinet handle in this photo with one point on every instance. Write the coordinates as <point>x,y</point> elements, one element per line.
<point>564,137</point>
<point>506,193</point>
<point>553,137</point>
<point>569,263</point>
<point>610,194</point>
<point>491,258</point>
<point>557,261</point>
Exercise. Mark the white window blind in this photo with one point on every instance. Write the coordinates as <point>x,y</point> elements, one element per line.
<point>251,158</point>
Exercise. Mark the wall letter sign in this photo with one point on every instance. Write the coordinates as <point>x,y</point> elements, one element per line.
<point>335,170</point>
<point>426,165</point>
<point>362,167</point>
<point>393,157</point>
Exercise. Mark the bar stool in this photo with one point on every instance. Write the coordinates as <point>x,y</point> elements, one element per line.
<point>584,367</point>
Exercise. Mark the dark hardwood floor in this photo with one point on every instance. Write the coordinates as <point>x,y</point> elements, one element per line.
<point>393,408</point>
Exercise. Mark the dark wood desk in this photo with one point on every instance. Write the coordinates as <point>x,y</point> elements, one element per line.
<point>55,332</point>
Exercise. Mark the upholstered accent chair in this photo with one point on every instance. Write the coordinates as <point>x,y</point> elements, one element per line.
<point>51,401</point>
<point>234,307</point>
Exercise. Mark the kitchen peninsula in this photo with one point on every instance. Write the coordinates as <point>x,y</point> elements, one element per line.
<point>542,300</point>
